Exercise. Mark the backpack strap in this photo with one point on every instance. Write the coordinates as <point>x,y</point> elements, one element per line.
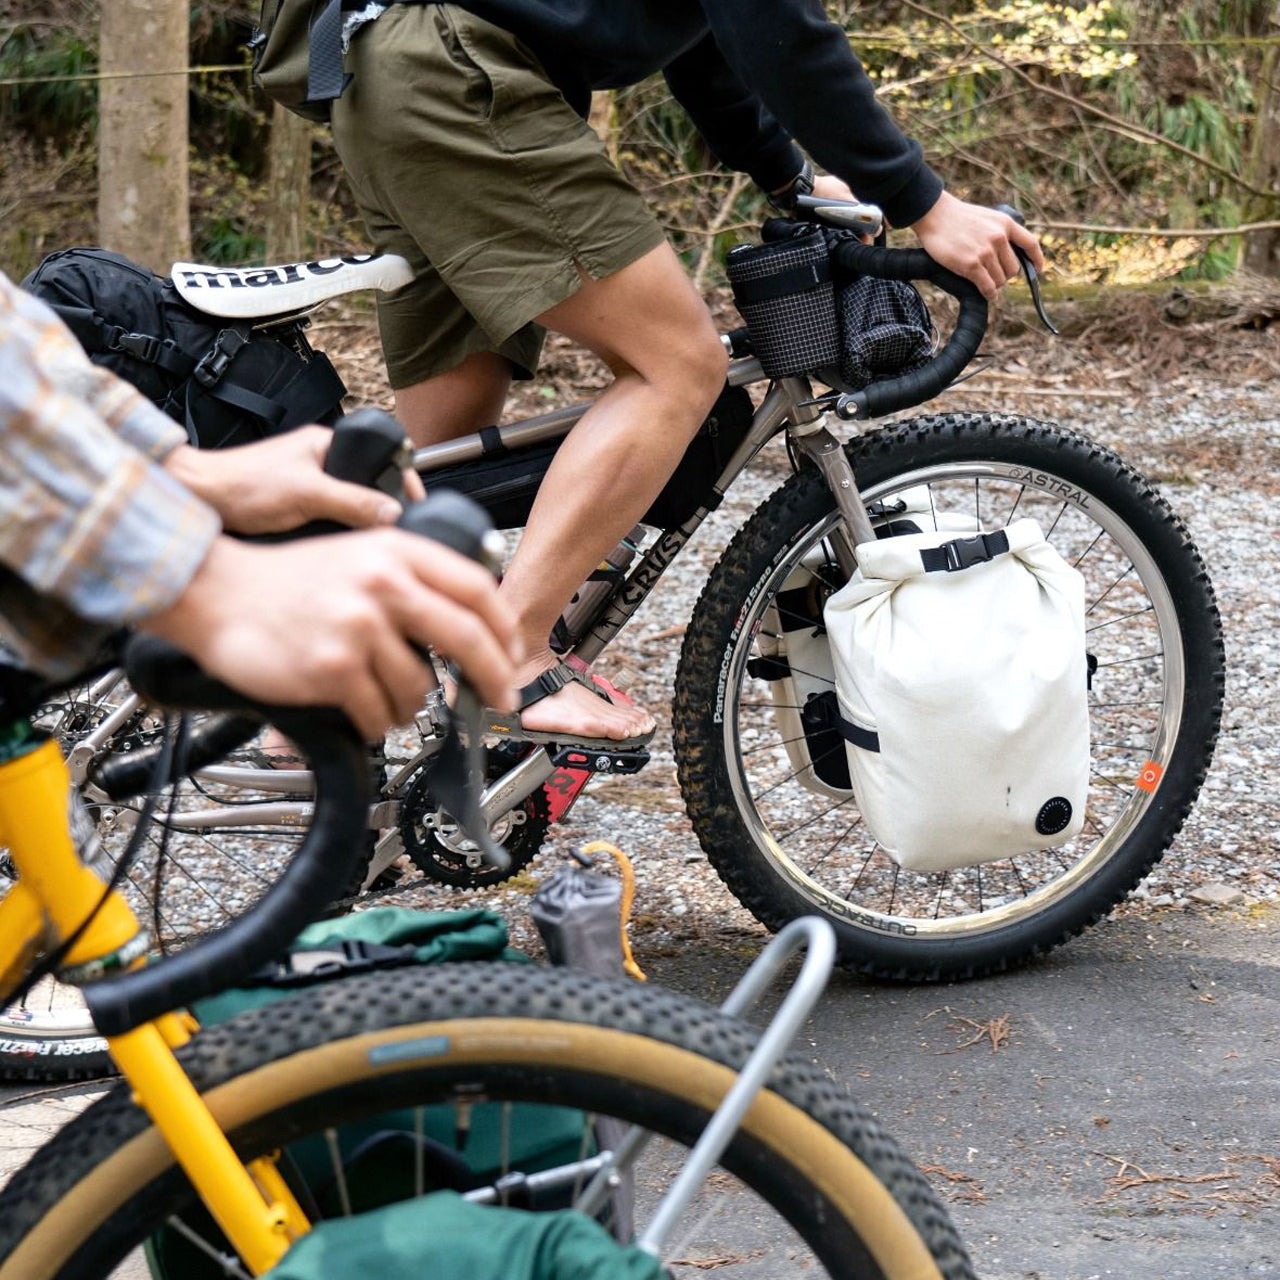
<point>325,77</point>
<point>95,334</point>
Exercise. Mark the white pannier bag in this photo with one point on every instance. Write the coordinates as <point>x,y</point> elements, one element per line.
<point>962,688</point>
<point>796,658</point>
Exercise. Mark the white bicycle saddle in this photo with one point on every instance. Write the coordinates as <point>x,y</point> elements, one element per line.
<point>247,293</point>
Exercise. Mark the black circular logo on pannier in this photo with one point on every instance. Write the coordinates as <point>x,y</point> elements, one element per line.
<point>1054,816</point>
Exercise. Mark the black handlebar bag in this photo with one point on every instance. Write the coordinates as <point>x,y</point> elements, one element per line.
<point>227,381</point>
<point>806,318</point>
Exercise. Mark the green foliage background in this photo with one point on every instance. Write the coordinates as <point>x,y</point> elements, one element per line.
<point>971,82</point>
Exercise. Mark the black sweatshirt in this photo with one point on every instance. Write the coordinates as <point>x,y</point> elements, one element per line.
<point>753,74</point>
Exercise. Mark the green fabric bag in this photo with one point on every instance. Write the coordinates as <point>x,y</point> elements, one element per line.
<point>281,47</point>
<point>446,1238</point>
<point>378,1155</point>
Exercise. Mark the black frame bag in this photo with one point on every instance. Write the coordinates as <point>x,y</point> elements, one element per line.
<point>226,381</point>
<point>504,481</point>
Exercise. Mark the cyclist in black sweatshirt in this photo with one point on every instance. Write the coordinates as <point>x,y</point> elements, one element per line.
<point>463,132</point>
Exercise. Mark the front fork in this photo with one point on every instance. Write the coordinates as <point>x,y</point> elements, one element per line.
<point>815,440</point>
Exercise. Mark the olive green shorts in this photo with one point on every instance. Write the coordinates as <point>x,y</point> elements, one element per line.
<point>465,159</point>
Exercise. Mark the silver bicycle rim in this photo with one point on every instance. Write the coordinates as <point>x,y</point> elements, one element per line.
<point>838,867</point>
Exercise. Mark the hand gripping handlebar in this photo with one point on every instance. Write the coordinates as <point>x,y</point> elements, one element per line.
<point>910,389</point>
<point>852,258</point>
<point>331,849</point>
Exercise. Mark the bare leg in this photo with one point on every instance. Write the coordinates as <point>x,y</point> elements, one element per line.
<point>651,328</point>
<point>649,325</point>
<point>451,404</point>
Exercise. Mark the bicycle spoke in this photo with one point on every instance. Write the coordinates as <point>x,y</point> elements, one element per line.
<point>1061,512</point>
<point>227,1263</point>
<point>773,746</point>
<point>339,1173</point>
<point>1120,662</point>
<point>1080,559</point>
<point>1108,591</point>
<point>1124,617</point>
<point>816,818</point>
<point>831,848</point>
<point>1022,489</point>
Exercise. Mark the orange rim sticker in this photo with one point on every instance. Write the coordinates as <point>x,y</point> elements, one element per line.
<point>1149,778</point>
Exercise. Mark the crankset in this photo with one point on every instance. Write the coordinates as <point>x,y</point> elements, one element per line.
<point>437,846</point>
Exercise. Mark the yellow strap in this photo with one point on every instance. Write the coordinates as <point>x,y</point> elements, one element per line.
<point>628,896</point>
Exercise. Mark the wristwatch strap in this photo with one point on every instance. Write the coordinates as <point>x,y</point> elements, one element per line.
<point>801,185</point>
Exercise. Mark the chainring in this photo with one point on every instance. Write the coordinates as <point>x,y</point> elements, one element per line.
<point>439,849</point>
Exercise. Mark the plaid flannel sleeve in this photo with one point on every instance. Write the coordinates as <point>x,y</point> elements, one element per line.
<point>94,534</point>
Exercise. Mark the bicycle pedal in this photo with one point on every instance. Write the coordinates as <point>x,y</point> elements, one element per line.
<point>619,762</point>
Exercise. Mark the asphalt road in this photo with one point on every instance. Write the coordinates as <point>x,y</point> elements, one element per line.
<point>1127,1125</point>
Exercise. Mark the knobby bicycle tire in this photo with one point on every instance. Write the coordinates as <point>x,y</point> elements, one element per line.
<point>50,1037</point>
<point>785,851</point>
<point>357,1047</point>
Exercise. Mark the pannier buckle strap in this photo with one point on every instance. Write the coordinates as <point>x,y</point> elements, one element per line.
<point>351,955</point>
<point>144,346</point>
<point>209,372</point>
<point>964,553</point>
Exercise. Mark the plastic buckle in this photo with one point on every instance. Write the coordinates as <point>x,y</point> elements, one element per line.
<point>209,372</point>
<point>353,955</point>
<point>964,553</point>
<point>143,345</point>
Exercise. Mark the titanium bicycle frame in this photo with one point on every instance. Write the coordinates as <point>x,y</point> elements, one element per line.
<point>789,403</point>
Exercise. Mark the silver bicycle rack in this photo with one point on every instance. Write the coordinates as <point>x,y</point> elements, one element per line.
<point>817,938</point>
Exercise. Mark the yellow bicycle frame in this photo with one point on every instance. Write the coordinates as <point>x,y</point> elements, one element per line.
<point>54,895</point>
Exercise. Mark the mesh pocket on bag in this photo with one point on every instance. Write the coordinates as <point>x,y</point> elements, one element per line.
<point>785,295</point>
<point>885,330</point>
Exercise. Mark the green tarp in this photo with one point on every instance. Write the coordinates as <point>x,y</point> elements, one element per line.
<point>443,1237</point>
<point>439,1235</point>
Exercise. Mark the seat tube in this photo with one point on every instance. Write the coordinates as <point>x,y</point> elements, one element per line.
<point>35,795</point>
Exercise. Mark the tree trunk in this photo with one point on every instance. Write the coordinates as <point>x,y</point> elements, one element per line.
<point>288,185</point>
<point>142,131</point>
<point>1262,248</point>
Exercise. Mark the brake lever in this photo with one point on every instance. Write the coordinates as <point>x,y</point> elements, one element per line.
<point>1028,269</point>
<point>457,777</point>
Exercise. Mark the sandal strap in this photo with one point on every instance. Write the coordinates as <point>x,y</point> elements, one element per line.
<point>553,680</point>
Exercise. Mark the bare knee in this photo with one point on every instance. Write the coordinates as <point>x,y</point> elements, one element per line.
<point>686,367</point>
<point>696,372</point>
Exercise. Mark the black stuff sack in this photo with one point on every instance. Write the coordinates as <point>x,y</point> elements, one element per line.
<point>227,382</point>
<point>806,317</point>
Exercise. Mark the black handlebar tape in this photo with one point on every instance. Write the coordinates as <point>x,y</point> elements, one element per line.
<point>329,856</point>
<point>365,449</point>
<point>910,389</point>
<point>210,741</point>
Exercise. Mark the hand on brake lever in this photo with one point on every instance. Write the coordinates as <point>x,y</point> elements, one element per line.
<point>1029,270</point>
<point>977,243</point>
<point>279,483</point>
